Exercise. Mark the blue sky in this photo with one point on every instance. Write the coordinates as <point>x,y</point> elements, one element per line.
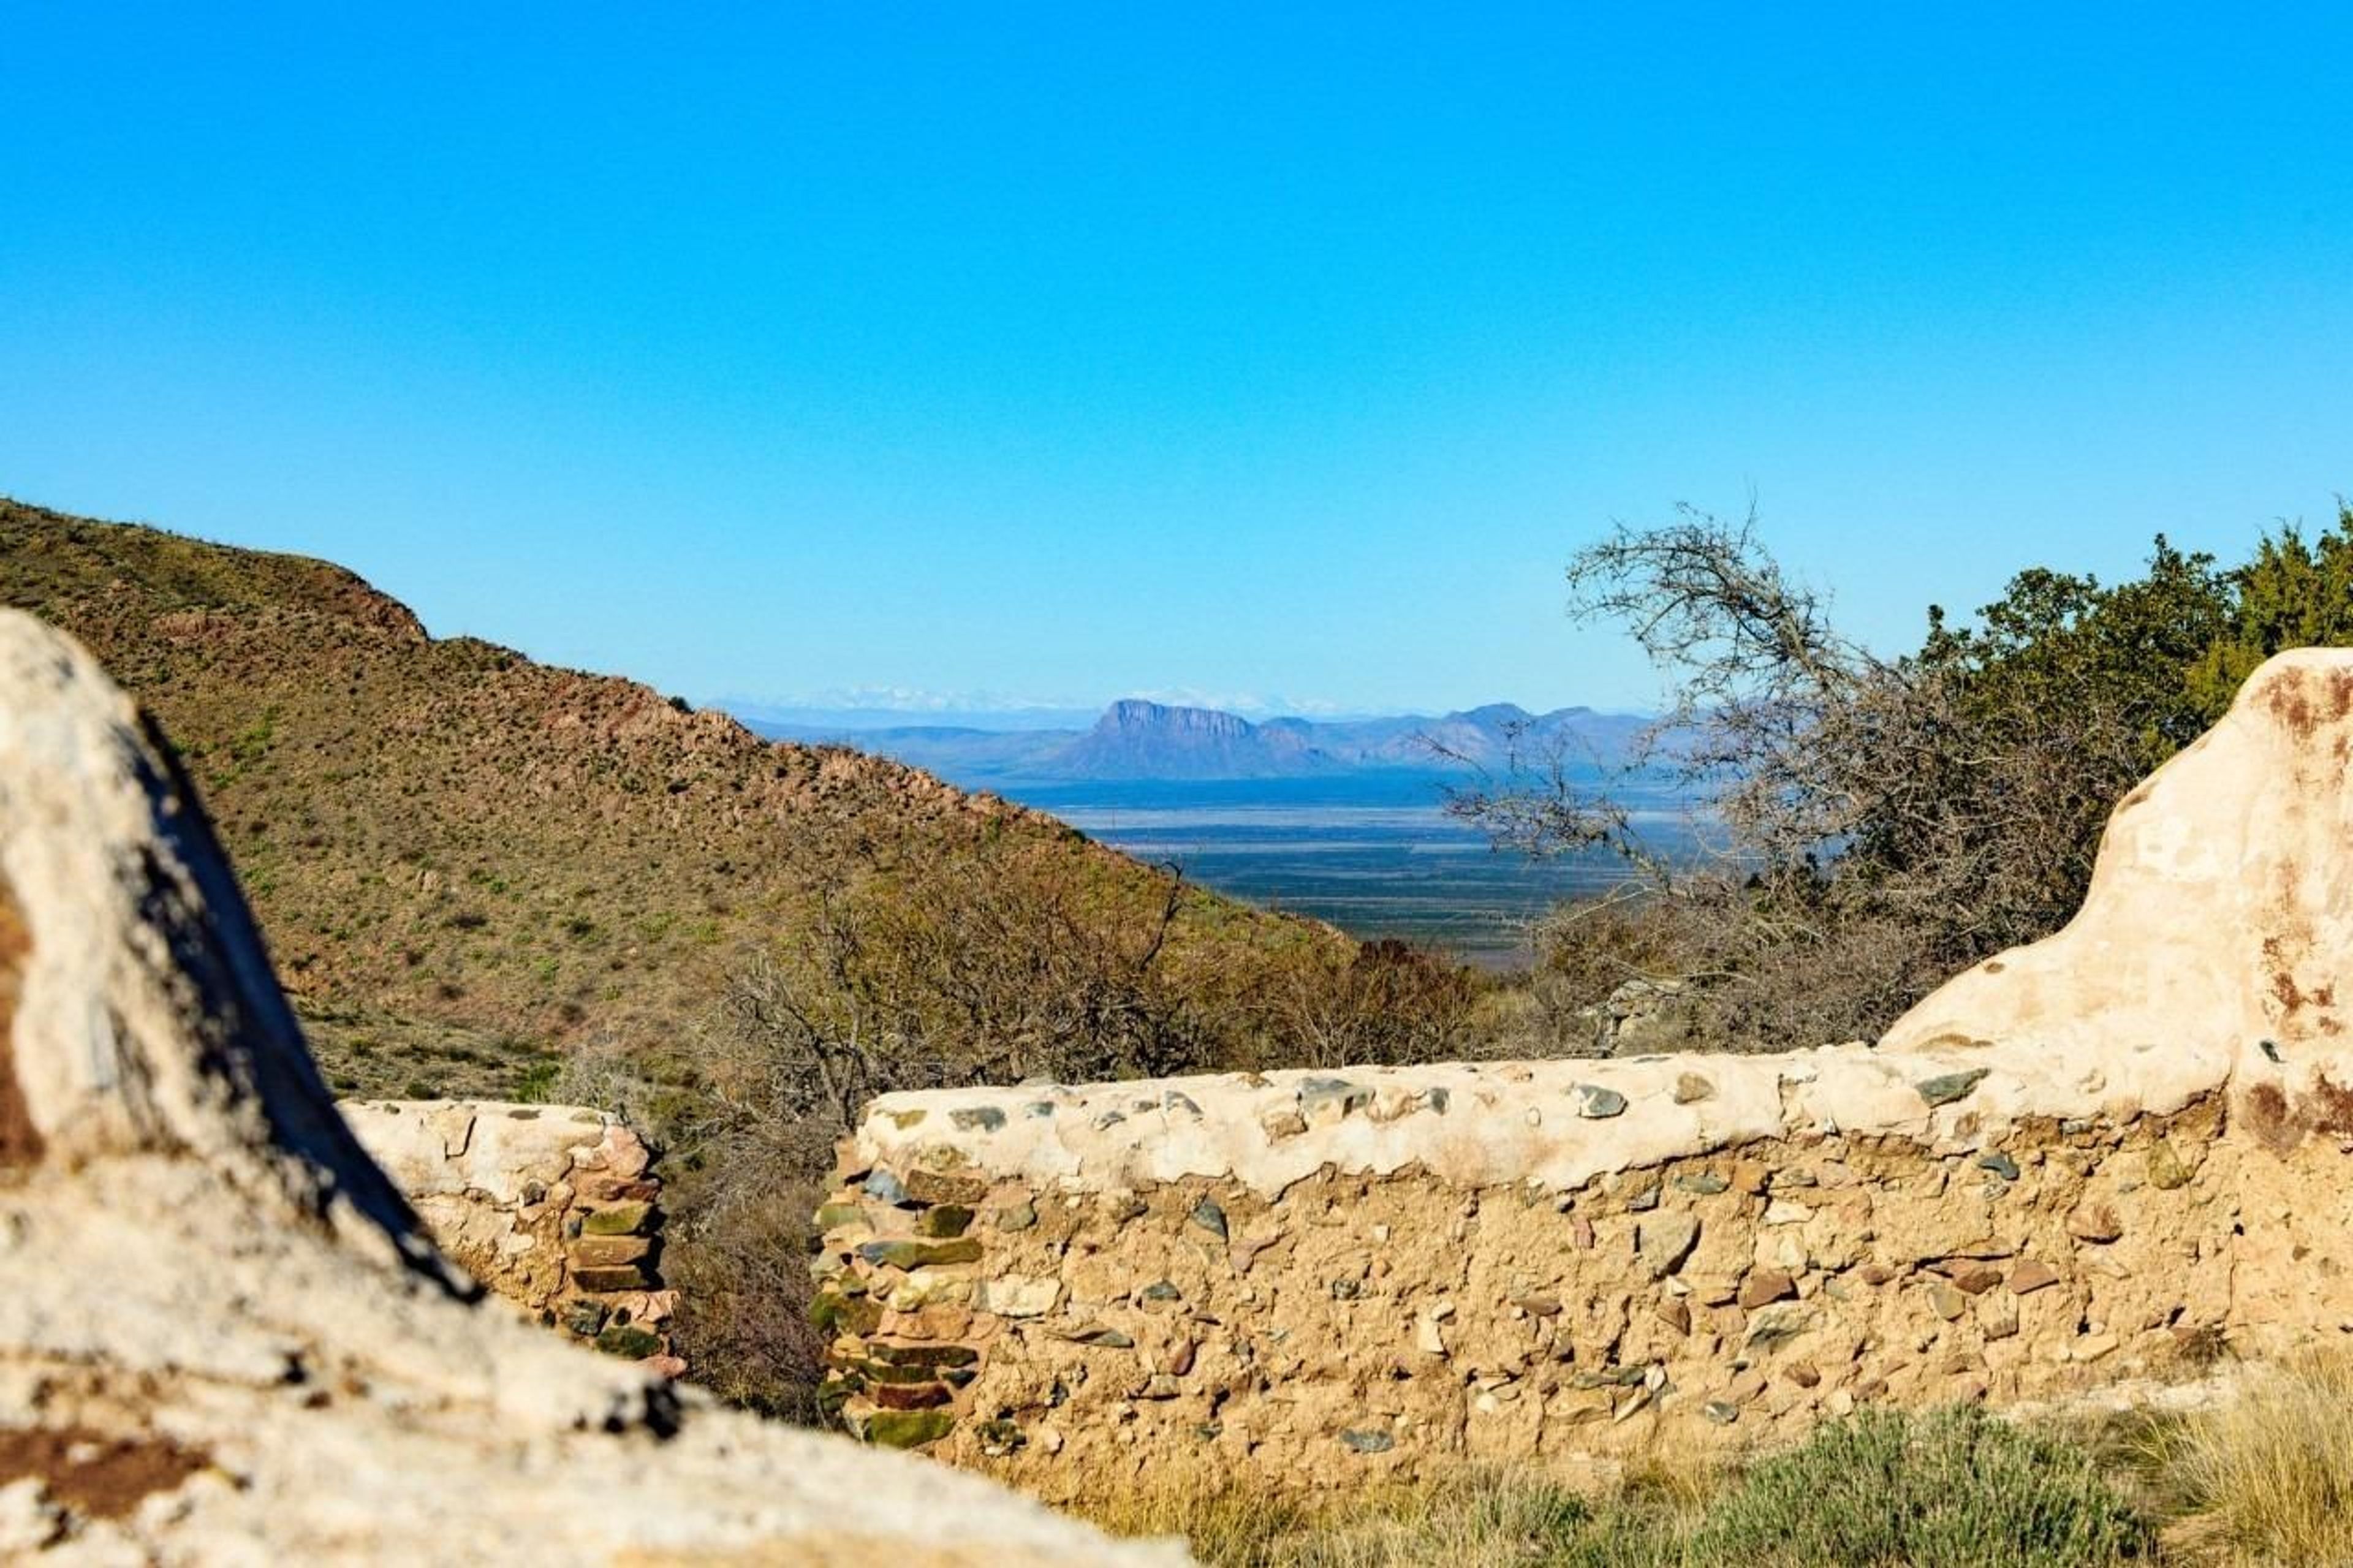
<point>1061,353</point>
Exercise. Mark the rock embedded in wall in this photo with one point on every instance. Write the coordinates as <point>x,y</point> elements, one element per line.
<point>2101,1157</point>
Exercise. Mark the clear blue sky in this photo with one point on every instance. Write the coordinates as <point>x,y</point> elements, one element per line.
<point>775,349</point>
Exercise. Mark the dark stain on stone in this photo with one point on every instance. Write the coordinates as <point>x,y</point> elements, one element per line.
<point>2291,698</point>
<point>20,1140</point>
<point>2284,698</point>
<point>2293,998</point>
<point>2327,1110</point>
<point>2340,693</point>
<point>93,1474</point>
<point>2267,1114</point>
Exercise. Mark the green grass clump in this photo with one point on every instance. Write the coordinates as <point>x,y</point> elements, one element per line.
<point>1945,1489</point>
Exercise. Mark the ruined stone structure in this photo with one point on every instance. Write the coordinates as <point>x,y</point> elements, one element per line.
<point>554,1207</point>
<point>225,1335</point>
<point>2119,1152</point>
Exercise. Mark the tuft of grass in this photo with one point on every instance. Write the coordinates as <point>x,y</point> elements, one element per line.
<point>1497,1515</point>
<point>1481,1515</point>
<point>1225,1526</point>
<point>2266,1476</point>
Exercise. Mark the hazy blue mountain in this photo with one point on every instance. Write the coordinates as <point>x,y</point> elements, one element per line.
<point>1140,740</point>
<point>1134,739</point>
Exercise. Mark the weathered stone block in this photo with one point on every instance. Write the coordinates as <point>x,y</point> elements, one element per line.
<point>832,1313</point>
<point>907,1429</point>
<point>944,1221</point>
<point>629,1342</point>
<point>926,1355</point>
<point>619,1219</point>
<point>1764,1286</point>
<point>923,1395</point>
<point>908,1254</point>
<point>1018,1296</point>
<point>2096,1222</point>
<point>602,1187</point>
<point>630,1277</point>
<point>2032,1274</point>
<point>943,1187</point>
<point>1663,1240</point>
<point>608,1251</point>
<point>1945,1088</point>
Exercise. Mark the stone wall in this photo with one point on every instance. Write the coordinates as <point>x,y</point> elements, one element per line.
<point>553,1206</point>
<point>2118,1154</point>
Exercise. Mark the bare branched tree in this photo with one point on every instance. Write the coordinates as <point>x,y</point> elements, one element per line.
<point>1869,824</point>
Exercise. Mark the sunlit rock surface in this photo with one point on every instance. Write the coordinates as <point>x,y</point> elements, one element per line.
<point>223,1336</point>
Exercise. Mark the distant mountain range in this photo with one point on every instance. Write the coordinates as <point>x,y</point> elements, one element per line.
<point>1135,739</point>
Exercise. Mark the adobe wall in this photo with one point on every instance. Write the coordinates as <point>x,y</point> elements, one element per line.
<point>553,1206</point>
<point>2114,1153</point>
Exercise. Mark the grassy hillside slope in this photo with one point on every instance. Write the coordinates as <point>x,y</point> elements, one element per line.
<point>465,860</point>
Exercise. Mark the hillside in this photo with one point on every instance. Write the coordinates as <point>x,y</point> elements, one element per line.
<point>462,859</point>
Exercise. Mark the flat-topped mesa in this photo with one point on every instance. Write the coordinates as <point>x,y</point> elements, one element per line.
<point>2073,1162</point>
<point>225,1334</point>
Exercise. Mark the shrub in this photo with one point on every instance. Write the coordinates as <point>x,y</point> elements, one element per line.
<point>1948,1488</point>
<point>1388,1003</point>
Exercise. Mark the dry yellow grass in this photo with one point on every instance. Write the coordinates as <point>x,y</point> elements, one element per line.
<point>1479,1515</point>
<point>2266,1476</point>
<point>1225,1525</point>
